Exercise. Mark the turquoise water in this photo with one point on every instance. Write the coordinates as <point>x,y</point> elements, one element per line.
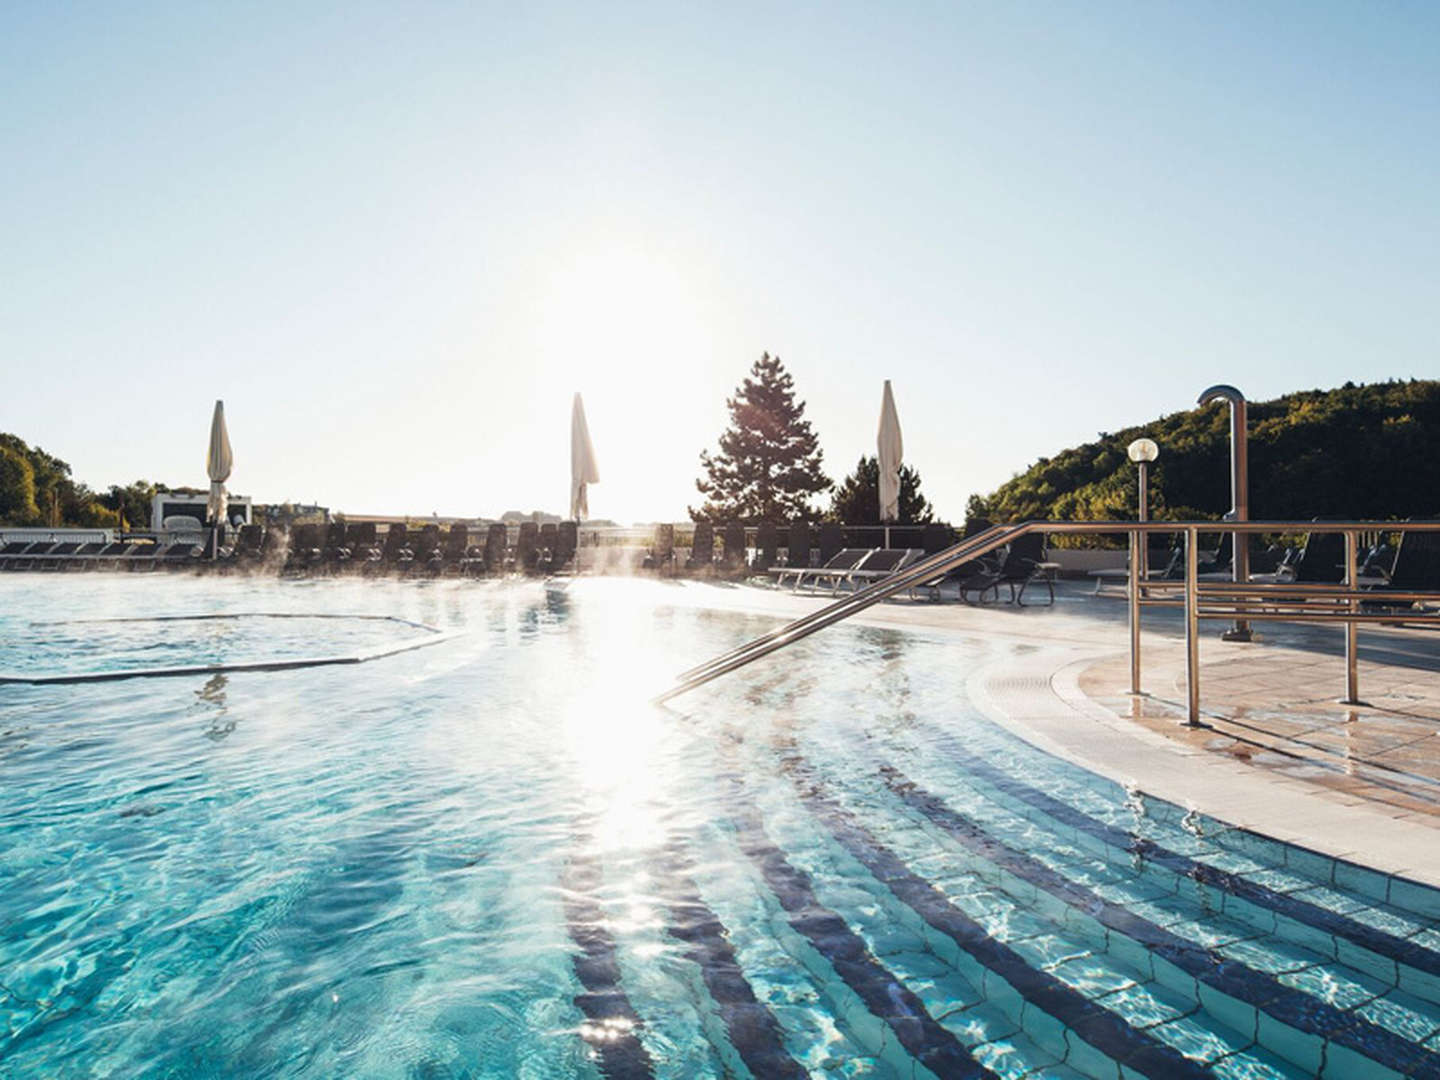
<point>491,858</point>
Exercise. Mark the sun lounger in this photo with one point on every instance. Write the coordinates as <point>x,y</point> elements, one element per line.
<point>561,557</point>
<point>798,544</point>
<point>141,556</point>
<point>832,541</point>
<point>527,548</point>
<point>881,563</point>
<point>497,539</point>
<point>84,556</point>
<point>59,555</point>
<point>843,561</point>
<point>702,548</point>
<point>1023,565</point>
<point>364,543</point>
<point>966,570</point>
<point>732,558</point>
<point>1416,569</point>
<point>456,547</point>
<point>10,551</point>
<point>397,551</point>
<point>337,548</point>
<point>178,554</point>
<point>109,555</point>
<point>662,549</point>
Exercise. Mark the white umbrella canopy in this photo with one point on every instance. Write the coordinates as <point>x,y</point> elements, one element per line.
<point>891,452</point>
<point>218,463</point>
<point>583,470</point>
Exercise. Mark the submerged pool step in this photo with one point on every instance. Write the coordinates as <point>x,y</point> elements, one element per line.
<point>894,1014</point>
<point>613,1025</point>
<point>1057,1016</point>
<point>1305,1029</point>
<point>1385,951</point>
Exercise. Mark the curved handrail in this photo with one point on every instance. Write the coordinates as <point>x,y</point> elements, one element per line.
<point>927,567</point>
<point>987,541</point>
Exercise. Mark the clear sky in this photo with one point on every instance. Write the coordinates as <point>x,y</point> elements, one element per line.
<point>396,238</point>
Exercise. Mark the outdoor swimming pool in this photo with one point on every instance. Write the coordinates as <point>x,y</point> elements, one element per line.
<point>492,858</point>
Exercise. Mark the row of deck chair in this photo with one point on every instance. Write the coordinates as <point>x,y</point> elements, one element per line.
<point>539,549</point>
<point>71,555</point>
<point>850,566</point>
<point>804,546</point>
<point>1016,567</point>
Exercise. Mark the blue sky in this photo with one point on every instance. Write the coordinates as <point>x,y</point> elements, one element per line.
<point>396,238</point>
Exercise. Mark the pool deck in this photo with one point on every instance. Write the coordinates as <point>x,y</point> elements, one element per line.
<point>1276,753</point>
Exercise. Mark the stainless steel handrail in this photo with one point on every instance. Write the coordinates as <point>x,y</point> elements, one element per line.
<point>922,571</point>
<point>1278,601</point>
<point>927,568</point>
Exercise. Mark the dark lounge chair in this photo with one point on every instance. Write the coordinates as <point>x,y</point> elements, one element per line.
<point>767,547</point>
<point>1024,564</point>
<point>84,557</point>
<point>702,548</point>
<point>31,555</point>
<point>58,556</point>
<point>306,548</point>
<point>109,556</point>
<point>397,551</point>
<point>661,555</point>
<point>936,537</point>
<point>337,544</point>
<point>1416,569</point>
<point>1322,561</point>
<point>970,569</point>
<point>141,556</point>
<point>249,543</point>
<point>527,548</point>
<point>364,543</point>
<point>732,557</point>
<point>561,556</point>
<point>797,544</point>
<point>10,551</point>
<point>179,554</point>
<point>456,548</point>
<point>497,540</point>
<point>549,539</point>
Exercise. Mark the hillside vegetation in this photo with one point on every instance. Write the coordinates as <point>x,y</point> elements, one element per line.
<point>1367,451</point>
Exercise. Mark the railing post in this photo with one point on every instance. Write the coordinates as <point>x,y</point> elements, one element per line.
<point>1192,627</point>
<point>1137,545</point>
<point>1352,645</point>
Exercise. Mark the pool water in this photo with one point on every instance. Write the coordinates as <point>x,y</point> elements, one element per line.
<point>492,858</point>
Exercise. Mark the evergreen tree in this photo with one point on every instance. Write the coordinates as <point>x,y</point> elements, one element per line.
<point>857,500</point>
<point>769,464</point>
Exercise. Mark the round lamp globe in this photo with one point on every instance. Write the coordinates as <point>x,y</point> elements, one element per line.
<point>1143,450</point>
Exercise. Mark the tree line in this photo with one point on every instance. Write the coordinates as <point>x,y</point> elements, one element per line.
<point>1358,451</point>
<point>38,489</point>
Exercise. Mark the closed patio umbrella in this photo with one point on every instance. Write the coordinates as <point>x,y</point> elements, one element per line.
<point>218,463</point>
<point>891,452</point>
<point>583,470</point>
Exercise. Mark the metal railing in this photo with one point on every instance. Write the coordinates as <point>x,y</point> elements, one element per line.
<point>1286,601</point>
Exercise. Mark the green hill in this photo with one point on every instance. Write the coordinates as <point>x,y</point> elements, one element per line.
<point>1367,451</point>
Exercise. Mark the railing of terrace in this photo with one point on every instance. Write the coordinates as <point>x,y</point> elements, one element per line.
<point>1247,600</point>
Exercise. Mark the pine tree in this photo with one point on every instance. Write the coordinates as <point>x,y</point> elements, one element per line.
<point>857,498</point>
<point>769,464</point>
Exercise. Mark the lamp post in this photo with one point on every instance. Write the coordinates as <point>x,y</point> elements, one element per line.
<point>1142,452</point>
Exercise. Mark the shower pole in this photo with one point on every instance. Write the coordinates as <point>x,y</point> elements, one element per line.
<point>1239,494</point>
